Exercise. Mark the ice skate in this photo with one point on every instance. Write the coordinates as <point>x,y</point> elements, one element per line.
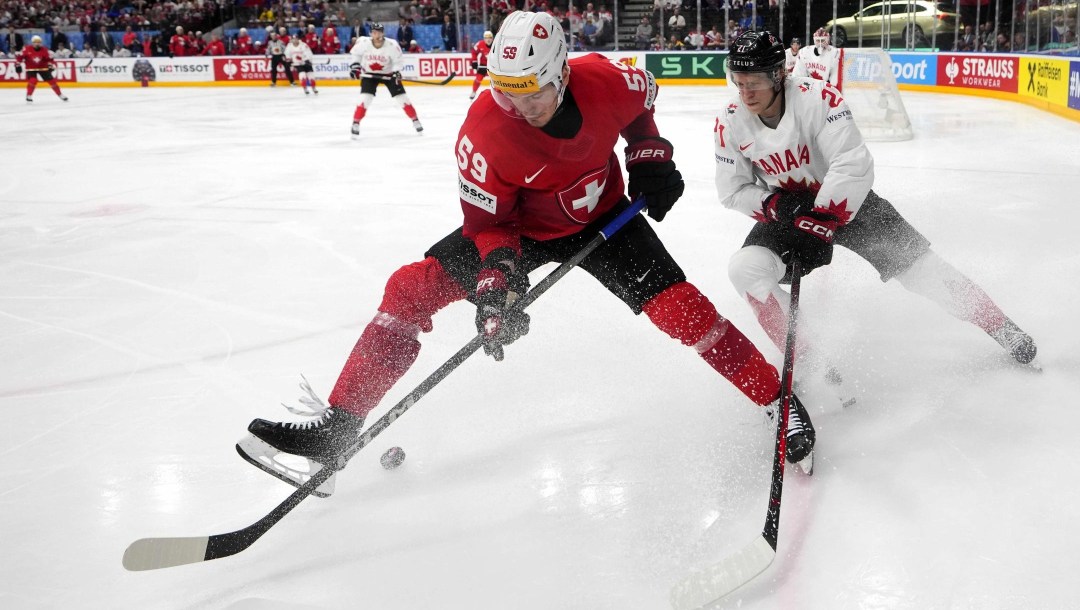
<point>472,96</point>
<point>63,98</point>
<point>306,92</point>
<point>799,448</point>
<point>29,99</point>
<point>1018,343</point>
<point>295,451</point>
<point>273,84</point>
<point>417,125</point>
<point>356,130</point>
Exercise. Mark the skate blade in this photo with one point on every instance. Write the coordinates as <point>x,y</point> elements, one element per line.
<point>292,469</point>
<point>806,465</point>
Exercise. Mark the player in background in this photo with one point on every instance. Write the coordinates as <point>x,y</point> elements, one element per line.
<point>178,44</point>
<point>791,56</point>
<point>788,154</point>
<point>377,59</point>
<point>538,177</point>
<point>480,52</point>
<point>39,66</point>
<point>300,56</point>
<point>311,39</point>
<point>821,61</point>
<point>244,44</point>
<point>275,50</point>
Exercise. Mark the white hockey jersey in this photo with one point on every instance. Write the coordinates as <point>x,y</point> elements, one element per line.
<point>789,60</point>
<point>822,65</point>
<point>386,59</point>
<point>816,146</point>
<point>298,52</point>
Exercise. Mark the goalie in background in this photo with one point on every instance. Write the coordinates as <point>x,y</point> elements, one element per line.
<point>377,59</point>
<point>789,155</point>
<point>480,52</point>
<point>821,60</point>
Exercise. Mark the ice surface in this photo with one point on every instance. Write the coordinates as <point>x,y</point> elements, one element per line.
<point>174,259</point>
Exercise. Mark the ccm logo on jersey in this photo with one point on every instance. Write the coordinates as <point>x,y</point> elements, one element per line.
<point>808,225</point>
<point>474,195</point>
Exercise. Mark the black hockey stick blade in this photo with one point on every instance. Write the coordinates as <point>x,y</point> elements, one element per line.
<point>157,553</point>
<point>412,79</point>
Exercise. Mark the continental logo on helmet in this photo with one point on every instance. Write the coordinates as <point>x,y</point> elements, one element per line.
<point>540,32</point>
<point>628,61</point>
<point>515,84</point>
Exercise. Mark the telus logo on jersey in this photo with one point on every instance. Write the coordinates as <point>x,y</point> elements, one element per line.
<point>784,162</point>
<point>474,195</point>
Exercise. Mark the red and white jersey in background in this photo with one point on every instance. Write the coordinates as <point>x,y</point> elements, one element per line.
<point>816,147</point>
<point>480,52</point>
<point>789,60</point>
<point>383,60</point>
<point>36,59</point>
<point>514,180</point>
<point>243,46</point>
<point>178,45</point>
<point>297,52</point>
<point>311,39</point>
<point>330,41</point>
<point>822,65</point>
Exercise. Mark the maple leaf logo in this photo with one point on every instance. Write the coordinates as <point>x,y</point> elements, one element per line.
<point>376,66</point>
<point>817,75</point>
<point>806,184</point>
<point>840,211</point>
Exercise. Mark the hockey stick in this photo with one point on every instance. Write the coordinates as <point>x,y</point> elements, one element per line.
<point>704,587</point>
<point>411,79</point>
<point>155,553</point>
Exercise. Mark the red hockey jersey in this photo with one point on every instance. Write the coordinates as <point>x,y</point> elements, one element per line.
<point>480,52</point>
<point>36,59</point>
<point>515,180</point>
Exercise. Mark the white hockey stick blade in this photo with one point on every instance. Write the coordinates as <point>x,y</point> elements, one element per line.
<point>706,586</point>
<point>154,553</point>
<point>292,469</point>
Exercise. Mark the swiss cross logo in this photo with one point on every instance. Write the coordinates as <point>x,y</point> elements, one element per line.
<point>509,53</point>
<point>539,32</point>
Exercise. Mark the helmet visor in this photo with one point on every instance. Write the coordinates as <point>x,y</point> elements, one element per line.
<point>751,81</point>
<point>528,103</point>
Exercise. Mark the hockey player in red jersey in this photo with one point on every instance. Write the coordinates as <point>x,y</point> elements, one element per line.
<point>179,45</point>
<point>39,66</point>
<point>480,52</point>
<point>788,154</point>
<point>538,176</point>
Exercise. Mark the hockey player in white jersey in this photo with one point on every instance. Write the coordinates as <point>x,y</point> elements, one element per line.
<point>791,56</point>
<point>788,154</point>
<point>300,55</point>
<point>821,60</point>
<point>378,59</point>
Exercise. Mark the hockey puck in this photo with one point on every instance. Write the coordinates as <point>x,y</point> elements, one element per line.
<point>393,458</point>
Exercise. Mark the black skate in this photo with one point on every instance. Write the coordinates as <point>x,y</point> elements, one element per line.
<point>417,125</point>
<point>295,451</point>
<point>799,448</point>
<point>1018,343</point>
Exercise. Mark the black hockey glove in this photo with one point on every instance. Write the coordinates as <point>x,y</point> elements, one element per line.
<point>811,239</point>
<point>783,206</point>
<point>475,65</point>
<point>355,70</point>
<point>18,69</point>
<point>497,287</point>
<point>396,78</point>
<point>653,174</point>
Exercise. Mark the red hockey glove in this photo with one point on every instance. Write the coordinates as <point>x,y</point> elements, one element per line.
<point>653,174</point>
<point>498,286</point>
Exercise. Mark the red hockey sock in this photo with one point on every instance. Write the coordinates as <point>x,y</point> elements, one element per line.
<point>55,86</point>
<point>31,84</point>
<point>685,314</point>
<point>379,359</point>
<point>476,83</point>
<point>772,318</point>
<point>359,113</point>
<point>410,111</point>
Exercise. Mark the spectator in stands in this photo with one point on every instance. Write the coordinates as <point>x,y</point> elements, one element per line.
<point>588,33</point>
<point>643,34</point>
<point>62,51</point>
<point>331,44</point>
<point>748,22</point>
<point>131,41</point>
<point>1002,43</point>
<point>674,44</point>
<point>404,33</point>
<point>449,33</point>
<point>695,40</point>
<point>60,38</point>
<point>414,47</point>
<point>714,39</point>
<point>357,30</point>
<point>103,43</point>
<point>967,40</point>
<point>13,42</point>
<point>677,24</point>
<point>311,39</point>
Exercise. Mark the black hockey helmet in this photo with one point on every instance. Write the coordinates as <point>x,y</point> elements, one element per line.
<point>377,27</point>
<point>756,52</point>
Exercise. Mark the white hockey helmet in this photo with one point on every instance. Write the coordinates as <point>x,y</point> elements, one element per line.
<point>821,38</point>
<point>529,53</point>
<point>488,36</point>
<point>33,40</point>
